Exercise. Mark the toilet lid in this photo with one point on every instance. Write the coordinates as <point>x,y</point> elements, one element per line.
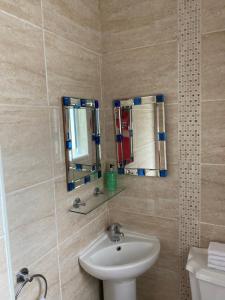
<point>198,264</point>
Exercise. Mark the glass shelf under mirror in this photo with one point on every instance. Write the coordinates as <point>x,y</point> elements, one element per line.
<point>95,201</point>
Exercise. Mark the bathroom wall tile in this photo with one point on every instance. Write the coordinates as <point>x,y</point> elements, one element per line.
<point>213,66</point>
<point>3,272</point>
<point>144,71</point>
<point>213,190</point>
<point>76,20</point>
<point>165,229</point>
<point>75,281</point>
<point>130,24</point>
<point>27,10</point>
<point>68,222</point>
<point>146,198</point>
<point>213,127</point>
<point>158,284</point>
<point>110,144</point>
<point>143,195</point>
<point>210,232</point>
<point>57,141</point>
<point>48,266</point>
<point>87,289</point>
<point>171,116</point>
<point>1,221</point>
<point>213,15</point>
<point>31,204</point>
<point>33,233</point>
<point>22,75</point>
<point>159,207</point>
<point>72,70</point>
<point>25,146</point>
<point>69,250</point>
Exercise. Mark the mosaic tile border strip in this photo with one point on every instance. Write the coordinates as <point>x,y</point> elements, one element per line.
<point>189,38</point>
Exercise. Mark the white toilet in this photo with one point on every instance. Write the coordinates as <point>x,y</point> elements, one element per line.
<point>206,283</point>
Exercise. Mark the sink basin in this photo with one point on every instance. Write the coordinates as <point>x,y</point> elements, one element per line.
<point>119,263</point>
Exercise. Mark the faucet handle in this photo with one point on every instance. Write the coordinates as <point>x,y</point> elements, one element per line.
<point>114,227</point>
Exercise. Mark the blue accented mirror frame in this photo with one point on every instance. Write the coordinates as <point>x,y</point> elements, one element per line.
<point>126,162</point>
<point>80,173</point>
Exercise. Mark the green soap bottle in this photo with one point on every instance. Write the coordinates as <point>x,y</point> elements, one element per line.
<point>110,179</point>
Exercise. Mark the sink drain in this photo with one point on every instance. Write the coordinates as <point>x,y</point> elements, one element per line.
<point>118,248</point>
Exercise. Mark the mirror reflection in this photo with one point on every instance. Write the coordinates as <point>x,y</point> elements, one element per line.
<point>82,141</point>
<point>140,136</point>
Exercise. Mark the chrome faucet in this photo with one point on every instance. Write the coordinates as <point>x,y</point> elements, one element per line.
<point>114,232</point>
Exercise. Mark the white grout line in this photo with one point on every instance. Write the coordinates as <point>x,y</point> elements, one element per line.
<point>144,214</point>
<point>52,179</point>
<point>216,31</point>
<point>31,106</point>
<point>66,240</point>
<point>6,231</point>
<point>44,51</point>
<point>73,42</point>
<point>211,224</point>
<point>139,47</point>
<point>20,19</point>
<point>57,243</point>
<point>73,236</point>
<point>209,164</point>
<point>30,187</point>
<point>210,100</point>
<point>49,31</point>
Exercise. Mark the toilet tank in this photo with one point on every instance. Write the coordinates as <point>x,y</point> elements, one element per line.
<point>206,283</point>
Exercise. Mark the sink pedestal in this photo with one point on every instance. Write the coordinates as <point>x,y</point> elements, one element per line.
<point>124,290</point>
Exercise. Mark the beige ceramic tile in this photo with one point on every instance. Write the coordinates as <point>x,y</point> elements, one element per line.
<point>47,266</point>
<point>213,15</point>
<point>31,204</point>
<point>68,222</point>
<point>129,24</point>
<point>76,20</point>
<point>30,242</point>
<point>75,281</point>
<point>29,10</point>
<point>110,145</point>
<point>70,249</point>
<point>1,222</point>
<point>210,232</point>
<point>213,191</point>
<point>153,196</point>
<point>140,72</point>
<point>213,127</point>
<point>33,233</point>
<point>72,71</point>
<point>213,66</point>
<point>165,229</point>
<point>57,134</point>
<point>3,272</point>
<point>22,75</point>
<point>158,284</point>
<point>25,142</point>
<point>171,116</point>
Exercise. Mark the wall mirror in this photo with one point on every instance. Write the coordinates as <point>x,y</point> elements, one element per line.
<point>141,136</point>
<point>82,141</point>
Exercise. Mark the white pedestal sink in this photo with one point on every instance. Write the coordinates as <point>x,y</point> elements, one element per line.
<point>118,264</point>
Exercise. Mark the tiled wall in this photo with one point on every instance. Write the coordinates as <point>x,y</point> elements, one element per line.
<point>140,58</point>
<point>4,263</point>
<point>212,122</point>
<point>145,43</point>
<point>48,49</point>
